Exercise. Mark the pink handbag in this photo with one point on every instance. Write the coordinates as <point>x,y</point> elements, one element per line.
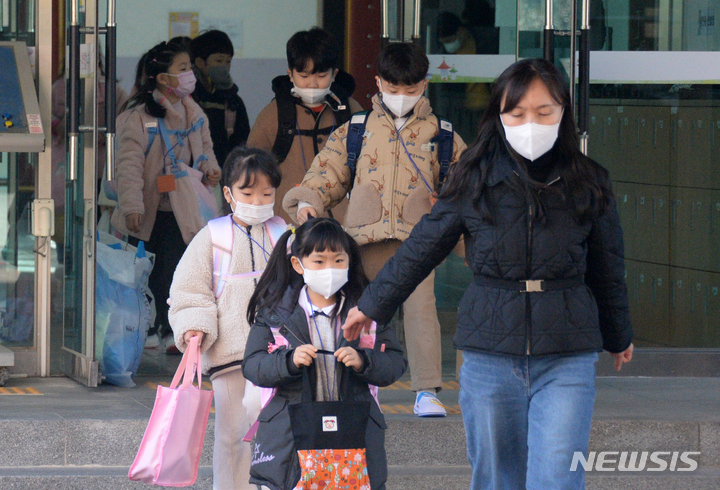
<point>169,453</point>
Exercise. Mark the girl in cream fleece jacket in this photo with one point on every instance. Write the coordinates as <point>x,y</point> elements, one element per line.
<point>250,179</point>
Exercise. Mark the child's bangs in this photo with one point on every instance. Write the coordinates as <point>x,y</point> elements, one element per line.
<point>248,177</point>
<point>326,237</point>
<point>245,171</point>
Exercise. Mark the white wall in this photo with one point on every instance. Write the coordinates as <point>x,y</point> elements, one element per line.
<point>260,30</point>
<point>266,24</point>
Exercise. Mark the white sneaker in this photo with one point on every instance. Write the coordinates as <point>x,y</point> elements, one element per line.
<point>152,342</point>
<point>169,345</point>
<point>428,405</point>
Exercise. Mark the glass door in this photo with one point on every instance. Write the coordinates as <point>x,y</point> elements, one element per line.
<point>82,182</point>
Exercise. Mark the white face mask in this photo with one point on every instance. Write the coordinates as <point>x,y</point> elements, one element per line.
<point>325,282</point>
<point>453,46</point>
<point>532,140</point>
<point>251,214</point>
<point>311,96</point>
<point>399,104</point>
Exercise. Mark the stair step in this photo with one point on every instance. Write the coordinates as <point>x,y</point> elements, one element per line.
<point>410,441</point>
<point>400,478</point>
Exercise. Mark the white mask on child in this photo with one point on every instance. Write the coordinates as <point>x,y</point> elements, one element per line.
<point>251,214</point>
<point>399,104</point>
<point>311,96</point>
<point>325,282</point>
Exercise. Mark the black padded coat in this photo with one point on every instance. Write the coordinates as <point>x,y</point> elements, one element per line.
<point>584,307</point>
<point>275,462</point>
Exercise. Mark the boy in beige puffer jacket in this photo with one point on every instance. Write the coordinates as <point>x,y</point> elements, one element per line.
<point>397,174</point>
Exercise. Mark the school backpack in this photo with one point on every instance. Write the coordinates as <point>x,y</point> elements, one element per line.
<point>337,100</point>
<point>443,142</point>
<point>221,234</point>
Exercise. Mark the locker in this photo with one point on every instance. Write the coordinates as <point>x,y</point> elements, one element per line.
<point>652,208</point>
<point>713,176</point>
<point>694,222</point>
<point>624,197</point>
<point>694,308</point>
<point>602,134</point>
<point>644,216</point>
<point>648,293</point>
<point>645,145</point>
<point>692,135</point>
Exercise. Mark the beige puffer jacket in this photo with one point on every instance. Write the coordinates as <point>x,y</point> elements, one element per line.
<point>389,195</point>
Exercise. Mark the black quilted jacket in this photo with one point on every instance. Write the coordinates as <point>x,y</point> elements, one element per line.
<point>587,307</point>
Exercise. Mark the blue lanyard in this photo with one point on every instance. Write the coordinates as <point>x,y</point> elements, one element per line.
<point>411,159</point>
<point>331,389</point>
<point>267,254</point>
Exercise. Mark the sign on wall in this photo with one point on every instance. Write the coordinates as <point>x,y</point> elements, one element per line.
<point>184,24</point>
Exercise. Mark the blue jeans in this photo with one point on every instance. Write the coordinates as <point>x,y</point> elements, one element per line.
<point>525,417</point>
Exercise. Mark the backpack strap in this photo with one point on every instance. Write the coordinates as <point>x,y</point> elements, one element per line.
<point>287,122</point>
<point>275,228</point>
<point>340,106</point>
<point>152,132</point>
<point>444,140</point>
<point>354,142</point>
<point>221,234</point>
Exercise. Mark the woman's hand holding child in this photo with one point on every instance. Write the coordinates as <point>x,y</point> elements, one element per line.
<point>349,357</point>
<point>304,355</point>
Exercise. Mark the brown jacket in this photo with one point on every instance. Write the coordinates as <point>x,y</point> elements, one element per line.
<point>389,196</point>
<point>137,174</point>
<point>263,135</point>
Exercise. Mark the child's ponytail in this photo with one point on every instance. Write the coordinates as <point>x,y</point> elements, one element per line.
<point>278,275</point>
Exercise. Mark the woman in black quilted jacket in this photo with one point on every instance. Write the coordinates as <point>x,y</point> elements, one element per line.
<point>543,240</point>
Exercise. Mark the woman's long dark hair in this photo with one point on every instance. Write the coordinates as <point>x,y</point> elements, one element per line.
<point>315,235</point>
<point>156,61</point>
<point>586,184</point>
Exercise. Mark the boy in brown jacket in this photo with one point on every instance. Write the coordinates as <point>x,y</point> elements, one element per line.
<point>310,102</point>
<point>397,172</point>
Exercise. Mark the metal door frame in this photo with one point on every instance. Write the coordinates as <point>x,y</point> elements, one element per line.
<point>83,366</point>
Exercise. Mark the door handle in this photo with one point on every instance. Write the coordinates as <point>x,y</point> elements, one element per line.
<point>110,89</point>
<point>416,21</point>
<point>74,80</point>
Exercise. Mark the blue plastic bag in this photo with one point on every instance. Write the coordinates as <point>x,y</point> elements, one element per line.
<point>123,308</point>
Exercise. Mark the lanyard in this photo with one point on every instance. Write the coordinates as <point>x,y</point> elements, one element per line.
<point>331,389</point>
<point>411,159</point>
<point>262,247</point>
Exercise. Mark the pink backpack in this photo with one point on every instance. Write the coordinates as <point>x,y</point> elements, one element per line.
<point>221,234</point>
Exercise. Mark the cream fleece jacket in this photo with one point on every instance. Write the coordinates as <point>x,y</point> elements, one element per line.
<point>193,303</point>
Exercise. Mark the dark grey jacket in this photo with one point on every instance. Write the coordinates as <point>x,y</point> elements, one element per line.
<point>275,462</point>
<point>587,308</point>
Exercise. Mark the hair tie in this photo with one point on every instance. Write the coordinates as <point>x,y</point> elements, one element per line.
<point>291,240</point>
